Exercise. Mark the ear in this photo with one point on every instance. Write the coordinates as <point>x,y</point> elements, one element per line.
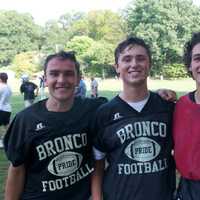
<point>78,80</point>
<point>45,81</point>
<point>116,68</point>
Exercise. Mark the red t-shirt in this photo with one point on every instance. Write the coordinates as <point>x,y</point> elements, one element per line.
<point>186,132</point>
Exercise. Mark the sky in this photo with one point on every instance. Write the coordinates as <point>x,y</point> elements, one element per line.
<point>44,10</point>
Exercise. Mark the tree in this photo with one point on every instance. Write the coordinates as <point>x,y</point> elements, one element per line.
<point>18,33</point>
<point>54,37</point>
<point>27,62</point>
<point>165,25</point>
<point>106,25</point>
<point>98,25</point>
<point>80,44</point>
<point>99,59</point>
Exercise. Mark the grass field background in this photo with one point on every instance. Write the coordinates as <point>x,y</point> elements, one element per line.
<point>108,88</point>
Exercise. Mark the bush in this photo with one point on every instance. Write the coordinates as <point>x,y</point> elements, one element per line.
<point>100,71</point>
<point>27,62</point>
<point>174,71</point>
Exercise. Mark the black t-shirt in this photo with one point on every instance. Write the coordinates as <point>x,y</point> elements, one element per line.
<point>138,149</point>
<point>55,148</point>
<point>28,89</point>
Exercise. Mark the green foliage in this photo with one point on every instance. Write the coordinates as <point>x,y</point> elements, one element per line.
<point>100,58</point>
<point>174,71</point>
<point>18,33</point>
<point>98,25</point>
<point>27,62</point>
<point>53,38</point>
<point>80,44</point>
<point>165,24</point>
<point>106,25</point>
<point>96,57</point>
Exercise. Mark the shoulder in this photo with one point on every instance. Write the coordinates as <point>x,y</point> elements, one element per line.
<point>184,100</point>
<point>106,111</point>
<point>91,104</point>
<point>33,84</point>
<point>28,113</point>
<point>160,103</point>
<point>109,105</point>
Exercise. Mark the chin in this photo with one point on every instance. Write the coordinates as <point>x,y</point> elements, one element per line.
<point>137,81</point>
<point>64,98</point>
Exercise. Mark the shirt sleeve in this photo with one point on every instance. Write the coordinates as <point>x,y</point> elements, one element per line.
<point>99,130</point>
<point>98,155</point>
<point>14,142</point>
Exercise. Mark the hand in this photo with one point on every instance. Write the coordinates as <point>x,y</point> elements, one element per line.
<point>167,94</point>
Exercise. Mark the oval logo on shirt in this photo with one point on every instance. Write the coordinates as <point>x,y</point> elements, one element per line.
<point>65,163</point>
<point>142,149</point>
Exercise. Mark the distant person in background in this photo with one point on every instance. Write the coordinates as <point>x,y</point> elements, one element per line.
<point>30,91</point>
<point>42,86</point>
<point>94,88</point>
<point>81,89</point>
<point>5,94</point>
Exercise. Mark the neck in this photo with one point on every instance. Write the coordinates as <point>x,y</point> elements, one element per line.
<point>57,106</point>
<point>197,96</point>
<point>134,94</point>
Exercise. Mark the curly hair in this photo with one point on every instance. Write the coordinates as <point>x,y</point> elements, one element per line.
<point>187,56</point>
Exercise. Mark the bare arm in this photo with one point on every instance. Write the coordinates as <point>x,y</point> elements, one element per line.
<point>167,94</point>
<point>15,182</point>
<point>97,178</point>
<point>36,92</point>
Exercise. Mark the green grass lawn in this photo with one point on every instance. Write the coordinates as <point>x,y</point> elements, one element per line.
<point>4,166</point>
<point>107,89</point>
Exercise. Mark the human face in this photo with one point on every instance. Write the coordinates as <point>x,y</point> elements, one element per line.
<point>61,79</point>
<point>195,63</point>
<point>133,65</point>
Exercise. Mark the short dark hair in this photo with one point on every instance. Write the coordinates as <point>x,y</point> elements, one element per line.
<point>4,77</point>
<point>189,45</point>
<point>131,41</point>
<point>63,55</point>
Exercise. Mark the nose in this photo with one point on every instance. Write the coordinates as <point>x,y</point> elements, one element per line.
<point>133,62</point>
<point>61,78</point>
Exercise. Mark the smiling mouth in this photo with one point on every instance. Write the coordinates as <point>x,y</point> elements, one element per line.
<point>134,72</point>
<point>62,88</point>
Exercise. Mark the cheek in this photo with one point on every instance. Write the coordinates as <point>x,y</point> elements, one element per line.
<point>45,83</point>
<point>192,68</point>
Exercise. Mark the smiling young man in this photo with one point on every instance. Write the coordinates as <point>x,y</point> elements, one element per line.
<point>49,143</point>
<point>134,134</point>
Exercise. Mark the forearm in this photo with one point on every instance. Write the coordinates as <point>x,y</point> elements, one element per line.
<point>15,182</point>
<point>97,179</point>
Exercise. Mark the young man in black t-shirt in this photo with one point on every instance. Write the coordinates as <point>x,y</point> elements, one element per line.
<point>134,134</point>
<point>49,143</point>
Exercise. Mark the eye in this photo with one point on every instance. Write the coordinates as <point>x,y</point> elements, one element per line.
<point>141,58</point>
<point>53,73</point>
<point>127,59</point>
<point>69,73</point>
<point>196,58</point>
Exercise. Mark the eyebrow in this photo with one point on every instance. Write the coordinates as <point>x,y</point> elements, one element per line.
<point>138,55</point>
<point>196,55</point>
